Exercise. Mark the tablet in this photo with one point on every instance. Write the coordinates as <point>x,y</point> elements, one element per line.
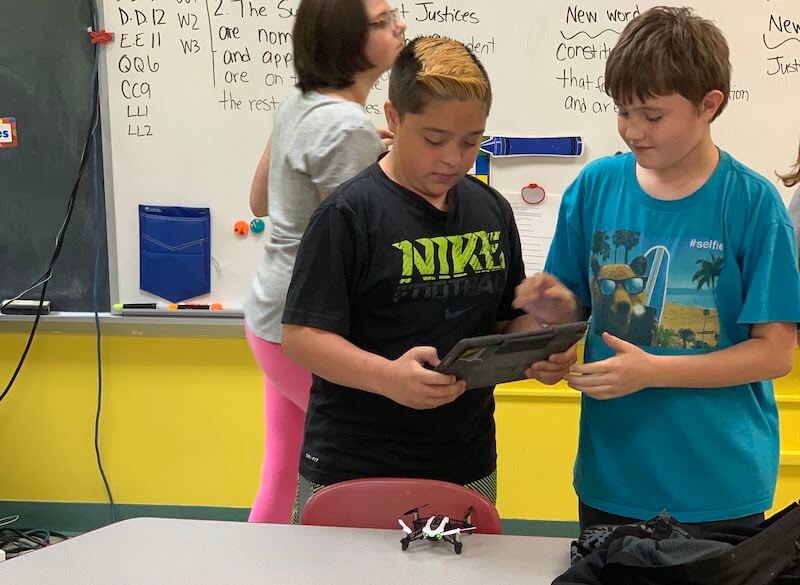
<point>494,359</point>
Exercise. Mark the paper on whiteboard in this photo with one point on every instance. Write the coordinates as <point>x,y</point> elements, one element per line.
<point>536,225</point>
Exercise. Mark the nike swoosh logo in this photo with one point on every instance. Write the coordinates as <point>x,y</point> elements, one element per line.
<point>449,314</point>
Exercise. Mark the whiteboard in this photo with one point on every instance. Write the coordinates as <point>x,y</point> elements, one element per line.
<point>189,88</point>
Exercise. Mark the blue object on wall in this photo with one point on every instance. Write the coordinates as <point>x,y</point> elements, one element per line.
<point>560,146</point>
<point>175,251</point>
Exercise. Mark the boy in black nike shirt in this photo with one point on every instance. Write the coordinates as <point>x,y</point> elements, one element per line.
<point>396,266</point>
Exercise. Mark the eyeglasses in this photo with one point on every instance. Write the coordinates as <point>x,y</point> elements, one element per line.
<point>390,20</point>
<point>633,285</point>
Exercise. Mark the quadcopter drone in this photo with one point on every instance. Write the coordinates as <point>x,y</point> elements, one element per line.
<point>436,527</point>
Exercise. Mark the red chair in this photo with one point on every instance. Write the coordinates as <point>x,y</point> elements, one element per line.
<point>379,502</point>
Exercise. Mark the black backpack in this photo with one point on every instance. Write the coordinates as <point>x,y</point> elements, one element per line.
<point>662,551</point>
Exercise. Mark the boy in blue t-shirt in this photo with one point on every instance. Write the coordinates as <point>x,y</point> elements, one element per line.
<point>687,262</point>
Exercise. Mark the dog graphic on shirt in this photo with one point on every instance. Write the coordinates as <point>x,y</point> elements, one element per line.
<point>619,301</point>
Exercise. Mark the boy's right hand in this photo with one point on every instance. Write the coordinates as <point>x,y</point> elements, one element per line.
<point>543,296</point>
<point>409,382</point>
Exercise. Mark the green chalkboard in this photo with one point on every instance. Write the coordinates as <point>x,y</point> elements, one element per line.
<point>46,66</point>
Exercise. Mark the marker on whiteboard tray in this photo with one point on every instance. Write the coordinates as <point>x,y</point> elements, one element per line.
<point>559,146</point>
<point>134,308</point>
<point>172,310</point>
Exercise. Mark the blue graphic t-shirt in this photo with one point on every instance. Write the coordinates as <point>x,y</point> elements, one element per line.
<point>677,277</point>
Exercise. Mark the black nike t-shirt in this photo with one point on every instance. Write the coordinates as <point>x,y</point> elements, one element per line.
<point>386,270</point>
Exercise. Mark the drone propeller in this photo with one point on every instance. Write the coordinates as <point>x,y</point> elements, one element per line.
<point>414,510</point>
<point>457,530</point>
<point>404,526</point>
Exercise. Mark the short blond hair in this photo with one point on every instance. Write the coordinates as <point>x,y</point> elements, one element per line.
<point>437,68</point>
<point>668,50</point>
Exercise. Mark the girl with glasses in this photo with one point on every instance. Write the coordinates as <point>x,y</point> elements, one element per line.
<point>321,137</point>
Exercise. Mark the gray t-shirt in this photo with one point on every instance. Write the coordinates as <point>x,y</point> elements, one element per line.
<point>318,143</point>
<point>794,212</point>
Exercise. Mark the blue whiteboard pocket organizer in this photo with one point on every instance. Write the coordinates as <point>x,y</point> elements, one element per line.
<point>175,251</point>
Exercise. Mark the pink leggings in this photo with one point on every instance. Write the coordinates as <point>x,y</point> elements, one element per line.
<point>286,389</point>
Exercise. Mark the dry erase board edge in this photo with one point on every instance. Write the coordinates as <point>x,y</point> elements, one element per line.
<point>180,314</point>
<point>80,323</point>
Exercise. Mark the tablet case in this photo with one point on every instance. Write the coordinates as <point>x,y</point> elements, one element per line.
<point>494,359</point>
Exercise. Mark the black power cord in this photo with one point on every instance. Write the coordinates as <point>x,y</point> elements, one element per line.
<point>15,542</point>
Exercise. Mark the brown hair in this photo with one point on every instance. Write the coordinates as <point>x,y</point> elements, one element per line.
<point>792,178</point>
<point>668,50</point>
<point>329,38</point>
<point>436,68</point>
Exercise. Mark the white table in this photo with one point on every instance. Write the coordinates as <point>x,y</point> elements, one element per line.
<point>156,551</point>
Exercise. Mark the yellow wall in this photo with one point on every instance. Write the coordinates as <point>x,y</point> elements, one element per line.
<point>182,425</point>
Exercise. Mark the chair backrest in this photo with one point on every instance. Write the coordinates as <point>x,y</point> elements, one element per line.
<point>379,502</point>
